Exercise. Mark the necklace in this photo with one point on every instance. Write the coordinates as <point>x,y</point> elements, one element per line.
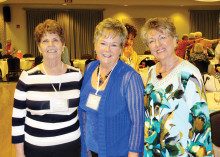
<point>159,76</point>
<point>51,81</point>
<point>101,79</point>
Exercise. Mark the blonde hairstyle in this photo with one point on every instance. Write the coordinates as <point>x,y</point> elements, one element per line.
<point>191,35</point>
<point>50,26</point>
<point>198,34</point>
<point>113,27</point>
<point>159,24</point>
<point>198,47</point>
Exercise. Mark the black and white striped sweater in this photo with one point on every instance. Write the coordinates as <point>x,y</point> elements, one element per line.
<point>32,119</point>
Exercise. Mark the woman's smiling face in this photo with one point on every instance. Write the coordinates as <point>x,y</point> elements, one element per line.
<point>51,46</point>
<point>161,44</point>
<point>108,48</point>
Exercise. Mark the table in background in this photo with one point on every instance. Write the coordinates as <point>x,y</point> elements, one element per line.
<point>4,68</point>
<point>141,57</point>
<point>80,63</point>
<point>25,64</point>
<point>212,105</point>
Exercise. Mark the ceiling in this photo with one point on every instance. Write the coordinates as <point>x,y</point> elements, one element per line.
<point>182,3</point>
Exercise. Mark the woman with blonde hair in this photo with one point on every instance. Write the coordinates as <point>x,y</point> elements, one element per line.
<point>111,110</point>
<point>177,119</point>
<point>199,58</point>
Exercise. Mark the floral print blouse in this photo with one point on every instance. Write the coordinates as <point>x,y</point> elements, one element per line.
<point>182,46</point>
<point>177,119</point>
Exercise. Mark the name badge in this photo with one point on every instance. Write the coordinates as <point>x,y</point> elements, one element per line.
<point>93,101</point>
<point>59,104</point>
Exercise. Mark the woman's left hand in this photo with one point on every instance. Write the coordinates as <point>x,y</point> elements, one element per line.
<point>132,154</point>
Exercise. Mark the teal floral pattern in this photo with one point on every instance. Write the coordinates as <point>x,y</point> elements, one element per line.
<point>176,114</point>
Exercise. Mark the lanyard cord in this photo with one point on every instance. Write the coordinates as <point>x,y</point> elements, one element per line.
<point>51,82</point>
<point>98,88</point>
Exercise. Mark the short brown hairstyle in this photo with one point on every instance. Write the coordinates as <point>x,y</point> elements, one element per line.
<point>131,29</point>
<point>50,26</point>
<point>159,24</point>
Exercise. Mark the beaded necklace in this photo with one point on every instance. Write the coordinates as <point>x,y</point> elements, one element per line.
<point>101,79</point>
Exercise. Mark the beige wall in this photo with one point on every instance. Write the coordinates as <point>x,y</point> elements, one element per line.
<point>180,15</point>
<point>18,36</point>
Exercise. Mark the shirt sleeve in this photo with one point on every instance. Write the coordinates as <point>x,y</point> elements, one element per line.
<point>19,110</point>
<point>134,96</point>
<point>199,120</point>
<point>82,120</point>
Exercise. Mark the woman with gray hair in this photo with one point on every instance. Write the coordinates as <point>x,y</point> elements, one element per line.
<point>177,119</point>
<point>111,110</point>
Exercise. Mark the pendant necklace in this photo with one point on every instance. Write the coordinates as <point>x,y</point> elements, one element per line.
<point>101,79</point>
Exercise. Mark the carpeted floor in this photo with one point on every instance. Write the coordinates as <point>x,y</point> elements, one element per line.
<point>6,105</point>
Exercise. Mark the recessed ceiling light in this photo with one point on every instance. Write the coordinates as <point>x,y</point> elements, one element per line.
<point>125,5</point>
<point>208,0</point>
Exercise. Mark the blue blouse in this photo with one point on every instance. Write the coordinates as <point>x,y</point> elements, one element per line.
<point>92,124</point>
<point>120,115</point>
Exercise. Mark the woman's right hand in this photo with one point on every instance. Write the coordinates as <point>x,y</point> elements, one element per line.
<point>20,155</point>
<point>19,149</point>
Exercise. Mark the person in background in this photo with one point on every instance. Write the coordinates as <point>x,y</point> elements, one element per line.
<point>182,46</point>
<point>176,109</point>
<point>217,53</point>
<point>210,51</point>
<point>216,68</point>
<point>45,121</point>
<point>111,110</point>
<point>65,56</point>
<point>10,50</point>
<point>203,41</point>
<point>199,56</point>
<point>189,47</point>
<point>129,56</point>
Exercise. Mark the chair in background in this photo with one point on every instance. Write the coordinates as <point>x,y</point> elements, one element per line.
<point>202,66</point>
<point>147,62</point>
<point>88,61</point>
<point>14,70</point>
<point>27,55</point>
<point>38,60</point>
<point>147,52</point>
<point>6,56</point>
<point>1,79</point>
<point>215,130</point>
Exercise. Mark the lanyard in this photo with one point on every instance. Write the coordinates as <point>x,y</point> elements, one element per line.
<point>98,88</point>
<point>51,82</point>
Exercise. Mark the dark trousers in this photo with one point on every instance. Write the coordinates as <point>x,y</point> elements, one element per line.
<point>71,149</point>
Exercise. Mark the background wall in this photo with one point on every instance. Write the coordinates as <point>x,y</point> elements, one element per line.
<point>16,29</point>
<point>2,29</point>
